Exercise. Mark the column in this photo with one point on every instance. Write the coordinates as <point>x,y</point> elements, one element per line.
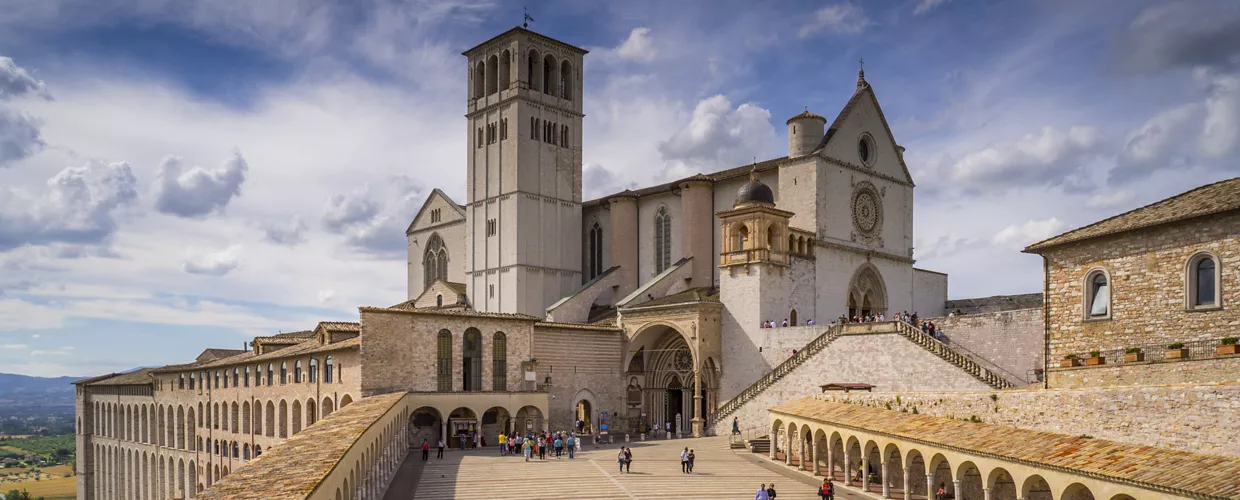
<point>986,493</point>
<point>886,480</point>
<point>847,466</point>
<point>804,451</point>
<point>443,433</point>
<point>830,460</point>
<point>698,420</point>
<point>908,489</point>
<point>815,452</point>
<point>930,483</point>
<point>774,442</point>
<point>865,472</point>
<point>788,448</point>
<point>957,493</point>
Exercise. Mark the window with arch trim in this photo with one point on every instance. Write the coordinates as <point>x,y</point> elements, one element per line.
<point>327,371</point>
<point>297,372</point>
<point>742,237</point>
<point>443,369</point>
<point>662,240</point>
<point>499,362</point>
<point>435,262</point>
<point>595,254</point>
<point>314,370</point>
<point>283,372</point>
<point>1203,280</point>
<point>1097,294</point>
<point>270,375</point>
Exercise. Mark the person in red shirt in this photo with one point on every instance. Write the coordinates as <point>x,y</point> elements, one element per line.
<point>426,450</point>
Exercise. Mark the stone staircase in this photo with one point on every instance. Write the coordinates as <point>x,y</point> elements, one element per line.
<point>834,332</point>
<point>760,445</point>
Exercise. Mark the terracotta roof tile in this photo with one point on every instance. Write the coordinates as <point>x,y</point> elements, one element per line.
<point>295,467</point>
<point>1219,197</point>
<point>407,307</point>
<point>137,377</point>
<point>1159,469</point>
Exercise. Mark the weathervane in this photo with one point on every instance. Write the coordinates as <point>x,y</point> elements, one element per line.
<point>528,19</point>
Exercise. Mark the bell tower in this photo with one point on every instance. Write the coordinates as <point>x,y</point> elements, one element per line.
<point>523,214</point>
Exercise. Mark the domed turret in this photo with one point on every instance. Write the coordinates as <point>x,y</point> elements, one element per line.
<point>805,131</point>
<point>754,191</point>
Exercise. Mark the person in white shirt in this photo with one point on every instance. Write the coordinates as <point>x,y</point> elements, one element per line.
<point>684,461</point>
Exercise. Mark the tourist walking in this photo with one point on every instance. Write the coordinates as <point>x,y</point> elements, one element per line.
<point>572,444</point>
<point>527,449</point>
<point>770,491</point>
<point>684,461</point>
<point>691,457</point>
<point>736,425</point>
<point>426,450</point>
<point>628,460</point>
<point>620,459</point>
<point>502,443</point>
<point>559,447</point>
<point>827,490</point>
<point>441,447</point>
<point>761,494</point>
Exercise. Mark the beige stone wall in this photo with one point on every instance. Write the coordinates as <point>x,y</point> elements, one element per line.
<point>584,364</point>
<point>1190,417</point>
<point>888,361</point>
<point>1197,370</point>
<point>1148,270</point>
<point>1011,341</point>
<point>929,293</point>
<point>399,349</point>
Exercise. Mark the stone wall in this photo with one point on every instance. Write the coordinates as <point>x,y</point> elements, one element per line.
<point>1147,270</point>
<point>1192,371</point>
<point>1012,341</point>
<point>1191,417</point>
<point>888,361</point>
<point>996,303</point>
<point>584,364</point>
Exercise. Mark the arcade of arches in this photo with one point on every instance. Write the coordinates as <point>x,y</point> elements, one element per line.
<point>457,418</point>
<point>669,381</point>
<point>905,456</point>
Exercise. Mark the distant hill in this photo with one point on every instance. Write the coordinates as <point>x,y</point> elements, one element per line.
<point>45,390</point>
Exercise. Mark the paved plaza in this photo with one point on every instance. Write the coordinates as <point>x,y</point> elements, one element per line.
<point>719,473</point>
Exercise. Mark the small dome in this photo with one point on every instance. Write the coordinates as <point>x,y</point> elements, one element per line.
<point>755,191</point>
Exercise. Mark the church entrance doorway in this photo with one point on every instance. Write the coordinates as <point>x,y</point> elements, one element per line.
<point>867,294</point>
<point>675,404</point>
<point>471,361</point>
<point>583,424</point>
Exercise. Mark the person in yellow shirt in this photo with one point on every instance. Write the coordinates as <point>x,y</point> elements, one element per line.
<point>503,444</point>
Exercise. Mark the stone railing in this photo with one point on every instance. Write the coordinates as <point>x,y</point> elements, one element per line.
<point>352,453</point>
<point>941,350</point>
<point>1197,349</point>
<point>814,346</point>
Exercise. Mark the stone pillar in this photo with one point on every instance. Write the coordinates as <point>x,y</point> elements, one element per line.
<point>886,480</point>
<point>788,448</point>
<point>847,467</point>
<point>698,420</point>
<point>624,242</point>
<point>697,229</point>
<point>830,460</point>
<point>958,494</point>
<point>908,488</point>
<point>930,484</point>
<point>986,493</point>
<point>865,473</point>
<point>774,443</point>
<point>443,434</point>
<point>816,451</point>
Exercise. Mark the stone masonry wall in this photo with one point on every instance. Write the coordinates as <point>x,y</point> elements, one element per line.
<point>1013,341</point>
<point>997,303</point>
<point>1148,270</point>
<point>584,364</point>
<point>1191,417</point>
<point>1192,371</point>
<point>888,361</point>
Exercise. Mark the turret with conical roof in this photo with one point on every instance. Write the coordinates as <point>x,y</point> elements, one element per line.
<point>804,133</point>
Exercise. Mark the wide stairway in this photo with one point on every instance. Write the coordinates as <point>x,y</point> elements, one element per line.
<point>817,345</point>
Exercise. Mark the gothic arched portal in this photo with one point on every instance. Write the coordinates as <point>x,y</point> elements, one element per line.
<point>867,294</point>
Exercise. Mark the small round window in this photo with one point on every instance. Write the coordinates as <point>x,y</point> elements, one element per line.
<point>865,149</point>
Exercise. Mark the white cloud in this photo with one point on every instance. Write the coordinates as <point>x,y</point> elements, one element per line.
<point>1221,135</point>
<point>14,347</point>
<point>925,5</point>
<point>1019,236</point>
<point>1109,199</point>
<point>199,191</point>
<point>49,352</point>
<point>1157,144</point>
<point>35,336</point>
<point>718,136</point>
<point>15,81</point>
<point>839,19</point>
<point>326,295</point>
<point>374,221</point>
<point>638,46</point>
<point>290,233</point>
<point>1049,157</point>
<point>79,207</point>
<point>16,314</point>
<point>19,136</point>
<point>213,263</point>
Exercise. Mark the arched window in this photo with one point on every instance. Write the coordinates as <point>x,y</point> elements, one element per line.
<point>297,372</point>
<point>435,262</point>
<point>327,371</point>
<point>245,452</point>
<point>444,368</point>
<point>283,372</point>
<point>566,80</point>
<point>492,75</point>
<point>499,362</point>
<point>662,240</point>
<point>314,370</point>
<point>439,300</point>
<point>271,379</point>
<point>595,255</point>
<point>534,71</point>
<point>550,76</point>
<point>564,135</point>
<point>1098,295</point>
<point>742,237</point>
<point>770,238</point>
<point>479,79</point>
<point>247,376</point>
<point>236,376</point>
<point>505,71</point>
<point>471,360</point>
<point>1203,282</point>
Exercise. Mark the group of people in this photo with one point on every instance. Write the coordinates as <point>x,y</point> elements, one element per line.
<point>532,444</point>
<point>773,324</point>
<point>767,491</point>
<point>686,461</point>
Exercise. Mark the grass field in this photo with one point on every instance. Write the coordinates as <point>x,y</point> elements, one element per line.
<point>60,487</point>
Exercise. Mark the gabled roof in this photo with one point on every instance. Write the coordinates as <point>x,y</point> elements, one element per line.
<point>864,91</point>
<point>721,175</point>
<point>212,354</point>
<point>690,296</point>
<point>137,377</point>
<point>1210,199</point>
<point>519,29</point>
<point>460,209</point>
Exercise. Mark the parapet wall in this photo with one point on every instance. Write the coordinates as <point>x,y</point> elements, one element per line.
<point>1191,417</point>
<point>1189,371</point>
<point>1013,341</point>
<point>997,303</point>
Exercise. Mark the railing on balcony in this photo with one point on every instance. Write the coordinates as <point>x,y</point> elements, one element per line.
<point>1196,349</point>
<point>752,255</point>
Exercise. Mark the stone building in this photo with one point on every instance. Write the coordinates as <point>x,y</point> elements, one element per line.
<point>1166,273</point>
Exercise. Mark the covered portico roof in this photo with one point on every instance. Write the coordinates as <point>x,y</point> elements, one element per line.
<point>1191,474</point>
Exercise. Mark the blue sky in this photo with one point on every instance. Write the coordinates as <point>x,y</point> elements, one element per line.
<point>178,175</point>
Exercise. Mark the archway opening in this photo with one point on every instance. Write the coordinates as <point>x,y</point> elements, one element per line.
<point>941,477</point>
<point>893,470</point>
<point>1001,485</point>
<point>792,318</point>
<point>1036,488</point>
<point>852,464</point>
<point>463,428</point>
<point>494,421</point>
<point>665,378</point>
<point>583,423</point>
<point>837,470</point>
<point>867,294</point>
<point>917,484</point>
<point>1077,491</point>
<point>971,481</point>
<point>530,420</point>
<point>425,424</point>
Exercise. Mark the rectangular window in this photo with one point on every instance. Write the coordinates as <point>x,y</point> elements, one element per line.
<point>479,137</point>
<point>181,382</point>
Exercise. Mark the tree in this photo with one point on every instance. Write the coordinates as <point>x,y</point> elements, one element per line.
<point>20,495</point>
